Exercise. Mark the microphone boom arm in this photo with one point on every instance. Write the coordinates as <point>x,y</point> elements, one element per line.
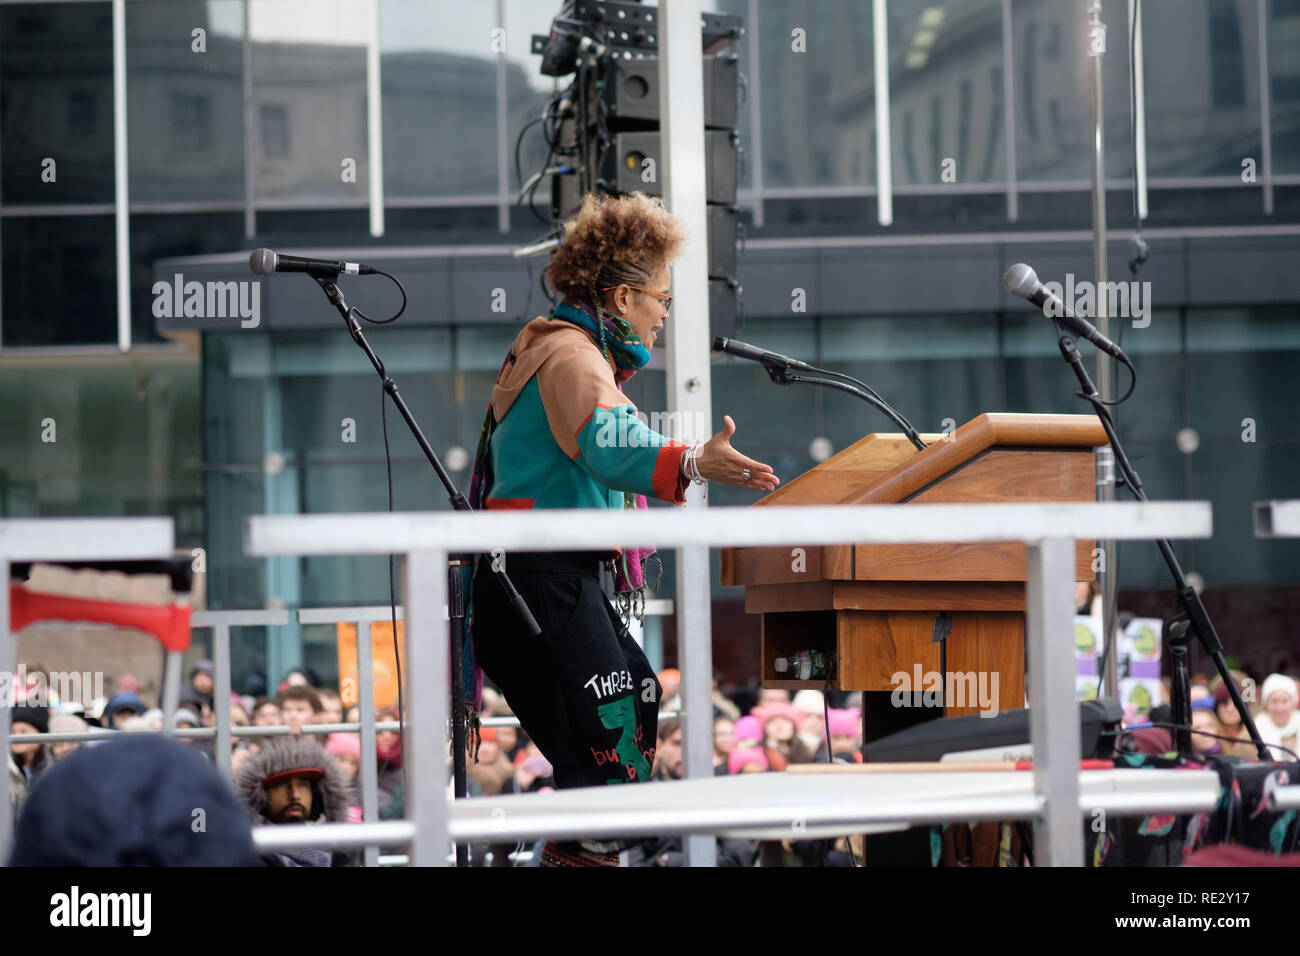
<point>784,376</point>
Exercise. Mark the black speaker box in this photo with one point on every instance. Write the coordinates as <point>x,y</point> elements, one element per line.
<point>633,162</point>
<point>631,92</point>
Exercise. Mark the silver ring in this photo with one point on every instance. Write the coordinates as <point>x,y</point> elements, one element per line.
<point>745,474</point>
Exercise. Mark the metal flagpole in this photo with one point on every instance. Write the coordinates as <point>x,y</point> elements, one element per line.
<point>681,91</point>
<point>1096,39</point>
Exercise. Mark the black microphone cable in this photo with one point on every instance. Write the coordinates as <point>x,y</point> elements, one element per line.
<point>388,466</point>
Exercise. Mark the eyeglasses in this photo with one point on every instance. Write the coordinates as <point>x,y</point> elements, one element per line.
<point>666,299</point>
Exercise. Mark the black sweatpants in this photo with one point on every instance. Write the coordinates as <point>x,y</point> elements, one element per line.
<point>583,690</point>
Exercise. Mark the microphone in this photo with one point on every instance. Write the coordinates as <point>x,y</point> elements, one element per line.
<point>779,366</point>
<point>264,262</point>
<point>746,351</point>
<point>1021,280</point>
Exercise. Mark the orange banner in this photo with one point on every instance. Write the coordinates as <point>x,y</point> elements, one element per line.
<point>385,664</point>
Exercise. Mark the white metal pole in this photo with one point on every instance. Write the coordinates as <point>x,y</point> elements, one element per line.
<point>1053,712</point>
<point>1009,110</point>
<point>754,95</point>
<point>251,130</point>
<point>1265,124</point>
<point>121,192</point>
<point>426,703</point>
<point>681,93</point>
<point>503,134</point>
<point>884,171</point>
<point>1095,42</point>
<point>374,119</point>
<point>171,693</point>
<point>221,696</point>
<point>1140,110</point>
<point>369,763</point>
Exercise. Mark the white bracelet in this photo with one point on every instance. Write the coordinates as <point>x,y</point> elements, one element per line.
<point>690,464</point>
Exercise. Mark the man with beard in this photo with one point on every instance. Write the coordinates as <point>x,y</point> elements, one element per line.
<point>292,780</point>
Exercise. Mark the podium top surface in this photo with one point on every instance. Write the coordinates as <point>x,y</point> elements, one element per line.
<point>884,468</point>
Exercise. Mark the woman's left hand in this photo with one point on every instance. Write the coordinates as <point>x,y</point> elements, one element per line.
<point>718,461</point>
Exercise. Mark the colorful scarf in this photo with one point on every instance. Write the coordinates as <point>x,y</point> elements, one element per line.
<point>623,349</point>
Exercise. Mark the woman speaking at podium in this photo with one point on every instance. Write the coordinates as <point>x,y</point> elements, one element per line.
<point>559,433</point>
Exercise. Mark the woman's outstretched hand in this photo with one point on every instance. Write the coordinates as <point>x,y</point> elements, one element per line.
<point>718,461</point>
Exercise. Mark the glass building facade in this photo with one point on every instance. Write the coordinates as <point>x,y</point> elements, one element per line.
<point>252,123</point>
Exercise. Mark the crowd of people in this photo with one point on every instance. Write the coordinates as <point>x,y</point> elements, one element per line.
<point>1217,726</point>
<point>301,777</point>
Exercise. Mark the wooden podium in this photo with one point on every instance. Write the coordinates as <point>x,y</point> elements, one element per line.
<point>874,606</point>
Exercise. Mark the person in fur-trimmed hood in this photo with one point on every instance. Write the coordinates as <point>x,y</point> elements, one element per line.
<point>292,780</point>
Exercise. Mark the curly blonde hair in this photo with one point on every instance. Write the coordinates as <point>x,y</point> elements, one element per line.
<point>614,239</point>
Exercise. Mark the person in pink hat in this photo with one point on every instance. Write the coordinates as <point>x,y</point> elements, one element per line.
<point>748,732</point>
<point>846,736</point>
<point>346,749</point>
<point>749,760</point>
<point>780,726</point>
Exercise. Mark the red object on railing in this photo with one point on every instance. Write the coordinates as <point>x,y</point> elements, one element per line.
<point>170,623</point>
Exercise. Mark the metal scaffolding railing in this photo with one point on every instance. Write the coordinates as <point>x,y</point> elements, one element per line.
<point>74,539</point>
<point>221,622</point>
<point>1050,795</point>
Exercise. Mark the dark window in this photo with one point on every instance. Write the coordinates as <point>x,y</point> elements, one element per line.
<point>995,123</point>
<point>909,155</point>
<point>275,129</point>
<point>59,280</point>
<point>1027,81</point>
<point>967,96</point>
<point>936,135</point>
<point>191,121</point>
<point>1227,63</point>
<point>81,113</point>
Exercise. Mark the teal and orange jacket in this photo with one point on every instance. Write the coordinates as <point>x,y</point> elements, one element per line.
<point>566,436</point>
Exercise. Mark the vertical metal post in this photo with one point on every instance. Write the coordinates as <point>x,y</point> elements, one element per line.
<point>681,93</point>
<point>121,172</point>
<point>884,169</point>
<point>503,131</point>
<point>374,119</point>
<point>1139,111</point>
<point>221,696</point>
<point>250,133</point>
<point>1009,110</point>
<point>426,758</point>
<point>283,573</point>
<point>1265,124</point>
<point>171,692</point>
<point>8,651</point>
<point>695,657</point>
<point>755,114</point>
<point>1053,712</point>
<point>1095,40</point>
<point>369,764</point>
<point>456,635</point>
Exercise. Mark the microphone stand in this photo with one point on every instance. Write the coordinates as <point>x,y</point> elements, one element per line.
<point>1194,618</point>
<point>781,374</point>
<point>455,583</point>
